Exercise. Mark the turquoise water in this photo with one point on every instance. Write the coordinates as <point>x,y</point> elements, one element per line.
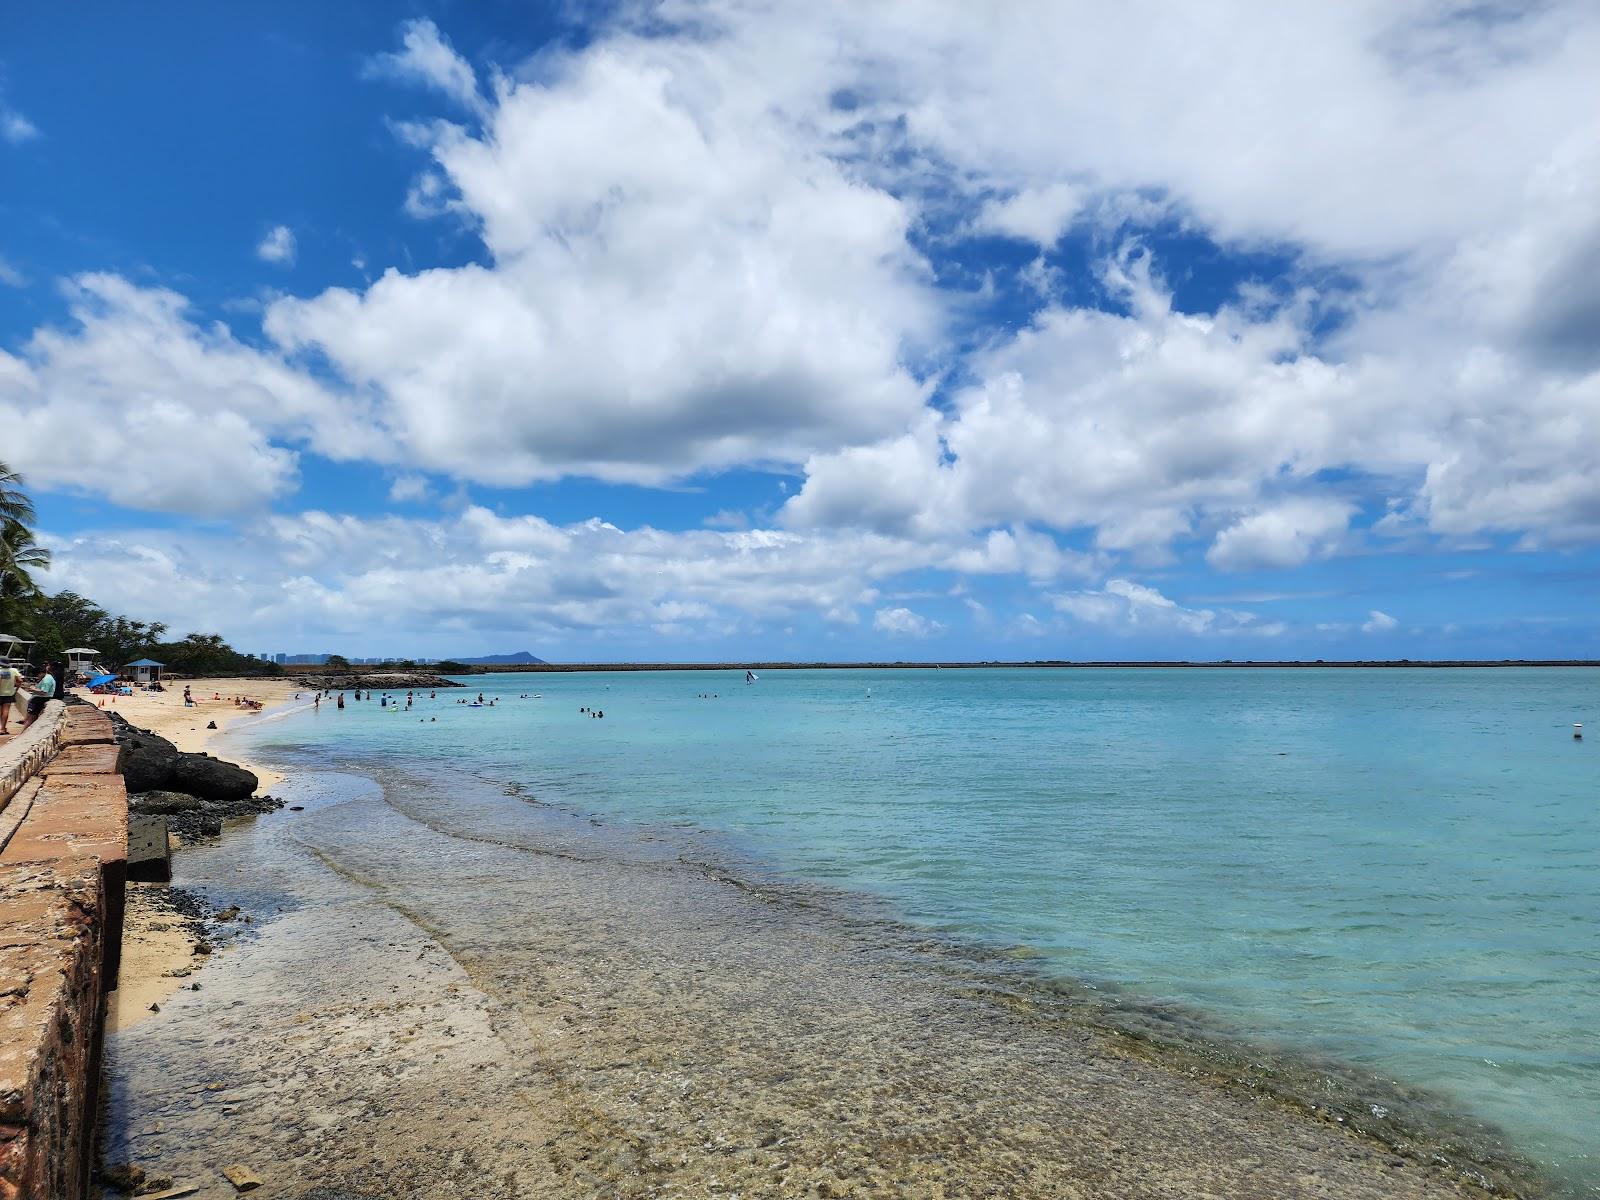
<point>1397,868</point>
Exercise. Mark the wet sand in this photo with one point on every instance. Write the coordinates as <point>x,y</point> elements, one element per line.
<point>157,953</point>
<point>454,993</point>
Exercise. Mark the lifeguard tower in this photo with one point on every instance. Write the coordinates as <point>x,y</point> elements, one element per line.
<point>80,661</point>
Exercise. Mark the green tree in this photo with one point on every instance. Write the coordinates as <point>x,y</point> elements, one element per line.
<point>208,654</point>
<point>337,662</point>
<point>68,619</point>
<point>20,558</point>
<point>14,502</point>
<point>20,555</point>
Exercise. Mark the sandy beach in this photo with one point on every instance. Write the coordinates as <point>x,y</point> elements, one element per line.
<point>165,714</point>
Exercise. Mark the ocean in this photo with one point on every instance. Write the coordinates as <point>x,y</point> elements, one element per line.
<point>1398,870</point>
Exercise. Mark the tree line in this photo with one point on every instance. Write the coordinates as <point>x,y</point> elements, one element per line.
<point>66,619</point>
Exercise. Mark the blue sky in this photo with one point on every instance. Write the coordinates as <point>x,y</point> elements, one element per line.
<point>708,328</point>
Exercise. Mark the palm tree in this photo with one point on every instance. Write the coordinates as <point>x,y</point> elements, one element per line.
<point>14,502</point>
<point>20,554</point>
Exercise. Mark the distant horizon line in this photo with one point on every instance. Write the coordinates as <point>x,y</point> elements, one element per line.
<point>941,664</point>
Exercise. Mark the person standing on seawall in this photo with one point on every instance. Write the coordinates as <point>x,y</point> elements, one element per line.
<point>8,694</point>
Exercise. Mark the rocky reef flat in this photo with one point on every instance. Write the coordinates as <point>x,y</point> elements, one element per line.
<point>450,991</point>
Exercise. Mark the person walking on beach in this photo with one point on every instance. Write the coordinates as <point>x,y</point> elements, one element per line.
<point>8,695</point>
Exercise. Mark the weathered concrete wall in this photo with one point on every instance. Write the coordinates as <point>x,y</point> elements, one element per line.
<point>63,869</point>
<point>24,753</point>
<point>51,1025</point>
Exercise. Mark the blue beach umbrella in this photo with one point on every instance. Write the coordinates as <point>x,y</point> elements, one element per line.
<point>102,680</point>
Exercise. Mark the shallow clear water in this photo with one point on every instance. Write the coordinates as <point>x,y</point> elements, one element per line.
<point>1398,868</point>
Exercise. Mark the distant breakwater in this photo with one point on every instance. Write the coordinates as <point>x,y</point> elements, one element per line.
<point>1052,664</point>
<point>380,681</point>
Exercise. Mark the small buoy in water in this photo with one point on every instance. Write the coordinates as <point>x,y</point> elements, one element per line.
<point>1577,730</point>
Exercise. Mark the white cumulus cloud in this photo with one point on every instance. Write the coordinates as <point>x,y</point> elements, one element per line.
<point>16,128</point>
<point>1038,215</point>
<point>706,239</point>
<point>1284,534</point>
<point>1379,622</point>
<point>473,570</point>
<point>277,246</point>
<point>137,400</point>
<point>426,57</point>
<point>681,278</point>
<point>1125,607</point>
<point>902,622</point>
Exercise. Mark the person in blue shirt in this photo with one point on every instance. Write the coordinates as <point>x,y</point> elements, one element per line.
<point>44,691</point>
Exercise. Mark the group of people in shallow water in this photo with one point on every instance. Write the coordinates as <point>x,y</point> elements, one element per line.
<point>384,701</point>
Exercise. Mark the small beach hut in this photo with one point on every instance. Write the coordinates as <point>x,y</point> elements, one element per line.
<point>80,661</point>
<point>144,670</point>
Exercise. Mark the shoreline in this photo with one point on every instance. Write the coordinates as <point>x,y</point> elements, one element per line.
<point>162,924</point>
<point>1175,1039</point>
<point>163,713</point>
<point>1001,999</point>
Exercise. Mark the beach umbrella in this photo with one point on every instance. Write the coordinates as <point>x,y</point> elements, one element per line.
<point>102,680</point>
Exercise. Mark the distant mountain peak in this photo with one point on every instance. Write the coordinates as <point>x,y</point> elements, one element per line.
<point>520,658</point>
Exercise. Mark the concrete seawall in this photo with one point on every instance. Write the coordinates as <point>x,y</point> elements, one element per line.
<point>63,870</point>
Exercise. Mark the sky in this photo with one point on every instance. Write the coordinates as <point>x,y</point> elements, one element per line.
<point>709,329</point>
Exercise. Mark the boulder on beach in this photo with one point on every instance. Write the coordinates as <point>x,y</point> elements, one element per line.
<point>150,763</point>
<point>202,775</point>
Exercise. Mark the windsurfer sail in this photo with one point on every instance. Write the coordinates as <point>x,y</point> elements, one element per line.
<point>750,676</point>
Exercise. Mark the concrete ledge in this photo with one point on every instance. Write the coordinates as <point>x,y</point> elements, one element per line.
<point>63,876</point>
<point>52,1012</point>
<point>85,726</point>
<point>80,759</point>
<point>22,754</point>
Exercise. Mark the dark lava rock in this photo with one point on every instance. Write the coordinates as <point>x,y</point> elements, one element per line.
<point>163,803</point>
<point>150,763</point>
<point>202,775</point>
<point>149,766</point>
<point>195,792</point>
